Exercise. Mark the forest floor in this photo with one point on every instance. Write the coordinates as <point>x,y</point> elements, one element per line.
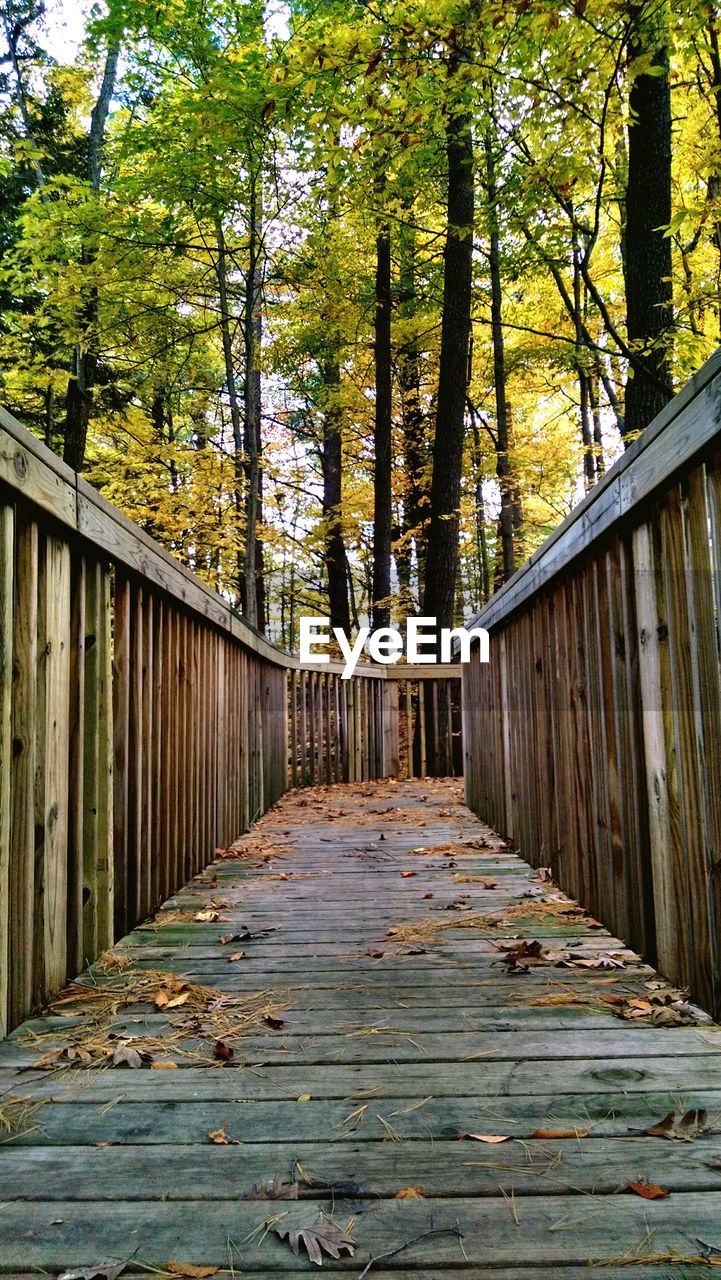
<point>368,1030</point>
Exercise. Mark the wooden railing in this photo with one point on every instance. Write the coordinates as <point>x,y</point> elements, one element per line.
<point>592,739</point>
<point>142,723</point>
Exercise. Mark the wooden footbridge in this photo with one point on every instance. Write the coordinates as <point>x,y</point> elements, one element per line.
<point>361,1030</point>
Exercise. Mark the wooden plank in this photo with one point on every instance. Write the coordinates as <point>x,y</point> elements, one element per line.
<point>77,955</point>
<point>52,884</point>
<point>7,577</point>
<point>24,735</point>
<point>609,1228</point>
<point>121,731</point>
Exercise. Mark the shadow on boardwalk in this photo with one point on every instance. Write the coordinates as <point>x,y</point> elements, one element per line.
<point>376,1016</point>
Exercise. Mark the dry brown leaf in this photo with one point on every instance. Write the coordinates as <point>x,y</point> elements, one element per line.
<point>126,1056</point>
<point>275,1024</point>
<point>304,1097</point>
<point>237,955</point>
<point>648,1190</point>
<point>406,875</point>
<point>219,1136</point>
<point>685,1129</point>
<point>325,1237</point>
<point>409,1193</point>
<point>560,1133</point>
<point>222,1051</point>
<point>164,1066</point>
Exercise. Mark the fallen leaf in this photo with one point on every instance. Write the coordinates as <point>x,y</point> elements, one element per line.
<point>325,1237</point>
<point>126,1056</point>
<point>560,1133</point>
<point>222,1051</point>
<point>187,1269</point>
<point>375,953</point>
<point>304,1097</point>
<point>237,955</point>
<point>487,1137</point>
<point>685,1129</point>
<point>409,1193</point>
<point>427,895</point>
<point>207,917</point>
<point>275,1024</point>
<point>648,1190</point>
<point>406,875</point>
<point>164,1066</point>
<point>219,1136</point>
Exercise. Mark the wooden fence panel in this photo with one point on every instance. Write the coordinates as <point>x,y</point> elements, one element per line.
<point>592,739</point>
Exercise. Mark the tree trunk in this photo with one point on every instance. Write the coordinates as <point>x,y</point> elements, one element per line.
<point>334,554</point>
<point>649,295</point>
<point>84,362</point>
<point>442,550</point>
<point>382,499</point>
<point>503,465</point>
<point>415,442</point>
<point>253,587</point>
<point>221,270</point>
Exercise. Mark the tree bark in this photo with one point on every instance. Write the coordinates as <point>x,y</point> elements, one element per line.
<point>84,362</point>
<point>507,519</point>
<point>253,585</point>
<point>416,451</point>
<point>442,551</point>
<point>334,554</point>
<point>221,274</point>
<point>649,295</point>
<point>382,498</point>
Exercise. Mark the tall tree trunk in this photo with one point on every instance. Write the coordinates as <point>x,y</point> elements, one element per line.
<point>416,451</point>
<point>442,548</point>
<point>84,362</point>
<point>484,576</point>
<point>503,464</point>
<point>221,273</point>
<point>382,498</point>
<point>589,461</point>
<point>334,553</point>
<point>714,181</point>
<point>649,295</point>
<point>252,337</point>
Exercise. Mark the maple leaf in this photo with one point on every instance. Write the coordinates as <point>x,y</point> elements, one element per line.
<point>320,1239</point>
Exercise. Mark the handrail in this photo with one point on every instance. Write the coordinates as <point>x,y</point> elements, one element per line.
<point>592,739</point>
<point>34,472</point>
<point>143,723</point>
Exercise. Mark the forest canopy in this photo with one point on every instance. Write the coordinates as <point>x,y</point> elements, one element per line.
<point>347,302</point>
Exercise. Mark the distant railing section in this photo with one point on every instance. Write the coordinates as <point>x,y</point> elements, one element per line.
<point>592,739</point>
<point>142,723</point>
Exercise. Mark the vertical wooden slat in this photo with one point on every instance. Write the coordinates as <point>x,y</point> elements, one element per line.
<point>53,882</point>
<point>24,760</point>
<point>7,575</point>
<point>121,730</point>
<point>77,947</point>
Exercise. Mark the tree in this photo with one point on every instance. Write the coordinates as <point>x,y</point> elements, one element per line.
<point>647,257</point>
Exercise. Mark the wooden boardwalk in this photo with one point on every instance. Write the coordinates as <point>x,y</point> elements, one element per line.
<point>339,1077</point>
